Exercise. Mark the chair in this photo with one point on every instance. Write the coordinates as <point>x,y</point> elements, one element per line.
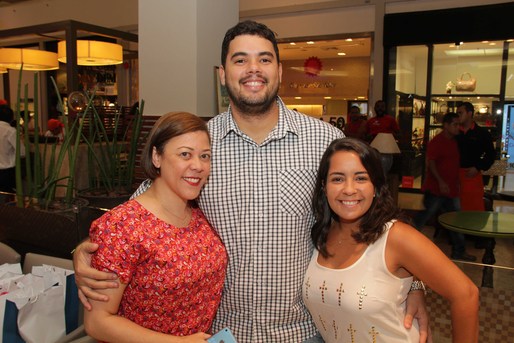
<point>8,254</point>
<point>32,259</point>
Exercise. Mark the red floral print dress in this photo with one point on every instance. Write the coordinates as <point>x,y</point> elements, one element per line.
<point>174,276</point>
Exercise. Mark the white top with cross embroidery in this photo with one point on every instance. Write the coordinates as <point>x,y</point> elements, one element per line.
<point>258,198</point>
<point>361,303</point>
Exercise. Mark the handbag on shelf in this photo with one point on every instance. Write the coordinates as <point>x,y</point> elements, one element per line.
<point>438,116</point>
<point>466,83</point>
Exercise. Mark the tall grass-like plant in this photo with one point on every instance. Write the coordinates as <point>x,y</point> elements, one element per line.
<point>112,150</point>
<point>41,183</point>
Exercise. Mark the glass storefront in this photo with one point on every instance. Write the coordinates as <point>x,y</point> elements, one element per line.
<point>425,81</point>
<point>324,76</point>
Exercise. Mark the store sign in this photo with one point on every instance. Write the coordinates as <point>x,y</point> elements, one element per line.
<point>407,181</point>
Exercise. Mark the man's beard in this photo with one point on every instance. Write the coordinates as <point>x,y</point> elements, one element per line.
<point>250,106</point>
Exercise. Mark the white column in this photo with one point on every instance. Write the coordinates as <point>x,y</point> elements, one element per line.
<point>179,47</point>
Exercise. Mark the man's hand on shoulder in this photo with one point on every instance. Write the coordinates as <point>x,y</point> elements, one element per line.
<point>88,279</point>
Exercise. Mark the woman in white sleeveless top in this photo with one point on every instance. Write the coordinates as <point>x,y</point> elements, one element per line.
<point>363,267</point>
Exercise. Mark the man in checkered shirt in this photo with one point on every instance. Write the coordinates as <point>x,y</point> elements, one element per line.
<point>264,163</point>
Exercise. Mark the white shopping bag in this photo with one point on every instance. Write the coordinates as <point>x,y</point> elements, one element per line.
<point>41,318</point>
<point>39,307</point>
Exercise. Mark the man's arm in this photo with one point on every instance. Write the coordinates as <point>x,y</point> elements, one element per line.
<point>417,309</point>
<point>88,279</point>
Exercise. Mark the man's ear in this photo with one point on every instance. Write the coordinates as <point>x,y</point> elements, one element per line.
<point>221,73</point>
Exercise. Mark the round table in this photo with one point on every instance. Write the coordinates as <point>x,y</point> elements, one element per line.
<point>506,195</point>
<point>485,224</point>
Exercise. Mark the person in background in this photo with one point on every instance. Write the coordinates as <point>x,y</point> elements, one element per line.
<point>381,122</point>
<point>365,259</point>
<point>476,154</point>
<point>356,126</point>
<point>169,261</point>
<point>258,197</point>
<point>441,185</point>
<point>7,151</point>
<point>55,129</point>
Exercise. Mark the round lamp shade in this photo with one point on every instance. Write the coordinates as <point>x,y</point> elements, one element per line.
<point>93,53</point>
<point>31,59</point>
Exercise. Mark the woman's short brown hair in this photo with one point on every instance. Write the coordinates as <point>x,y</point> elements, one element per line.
<point>168,126</point>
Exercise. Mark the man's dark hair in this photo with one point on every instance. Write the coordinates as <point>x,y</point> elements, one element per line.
<point>248,27</point>
<point>6,114</point>
<point>449,117</point>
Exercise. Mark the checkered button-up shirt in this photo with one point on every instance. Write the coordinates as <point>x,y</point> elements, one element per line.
<point>258,198</point>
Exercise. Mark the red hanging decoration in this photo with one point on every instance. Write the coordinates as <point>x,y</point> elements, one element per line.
<point>312,66</point>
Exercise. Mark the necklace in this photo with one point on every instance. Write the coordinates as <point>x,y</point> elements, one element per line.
<point>179,220</point>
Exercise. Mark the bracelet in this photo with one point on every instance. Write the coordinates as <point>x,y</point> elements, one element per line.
<point>418,285</point>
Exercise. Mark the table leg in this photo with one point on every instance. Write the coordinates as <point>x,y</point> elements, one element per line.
<point>488,258</point>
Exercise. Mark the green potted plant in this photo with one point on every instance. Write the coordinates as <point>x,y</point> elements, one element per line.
<point>43,169</point>
<point>43,219</point>
<point>113,143</point>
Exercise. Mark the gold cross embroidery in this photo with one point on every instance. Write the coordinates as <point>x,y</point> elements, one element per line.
<point>307,286</point>
<point>322,323</point>
<point>374,334</point>
<point>361,295</point>
<point>352,331</point>
<point>340,291</point>
<point>323,288</point>
<point>336,329</point>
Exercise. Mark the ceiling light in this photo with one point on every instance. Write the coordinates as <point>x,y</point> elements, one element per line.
<point>292,43</point>
<point>476,52</point>
<point>327,97</point>
<point>30,59</point>
<point>297,97</point>
<point>310,42</point>
<point>93,53</point>
<point>341,53</point>
<point>349,40</point>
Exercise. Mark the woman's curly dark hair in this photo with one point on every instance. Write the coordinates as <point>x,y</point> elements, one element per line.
<point>382,210</point>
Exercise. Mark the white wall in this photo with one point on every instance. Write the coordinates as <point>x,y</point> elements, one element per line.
<point>180,45</point>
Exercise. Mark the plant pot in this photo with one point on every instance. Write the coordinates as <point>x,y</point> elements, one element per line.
<point>99,198</point>
<point>53,232</point>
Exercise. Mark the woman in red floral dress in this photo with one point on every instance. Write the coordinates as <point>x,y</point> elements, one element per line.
<point>170,262</point>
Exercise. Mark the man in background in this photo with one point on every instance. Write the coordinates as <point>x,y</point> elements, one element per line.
<point>7,151</point>
<point>441,185</point>
<point>356,126</point>
<point>476,155</point>
<point>381,122</point>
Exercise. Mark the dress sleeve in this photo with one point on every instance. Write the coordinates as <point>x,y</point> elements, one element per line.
<point>119,249</point>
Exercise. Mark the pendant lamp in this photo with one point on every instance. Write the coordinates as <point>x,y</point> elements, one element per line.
<point>31,59</point>
<point>93,53</point>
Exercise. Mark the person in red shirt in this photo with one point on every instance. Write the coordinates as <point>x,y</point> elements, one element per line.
<point>441,185</point>
<point>382,122</point>
<point>356,126</point>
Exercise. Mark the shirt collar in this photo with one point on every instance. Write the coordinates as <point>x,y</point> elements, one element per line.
<point>285,124</point>
<point>472,127</point>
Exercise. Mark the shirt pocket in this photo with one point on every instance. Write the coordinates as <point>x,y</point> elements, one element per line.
<point>296,188</point>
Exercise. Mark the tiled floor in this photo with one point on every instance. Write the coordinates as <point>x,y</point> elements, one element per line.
<point>504,250</point>
<point>496,314</point>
